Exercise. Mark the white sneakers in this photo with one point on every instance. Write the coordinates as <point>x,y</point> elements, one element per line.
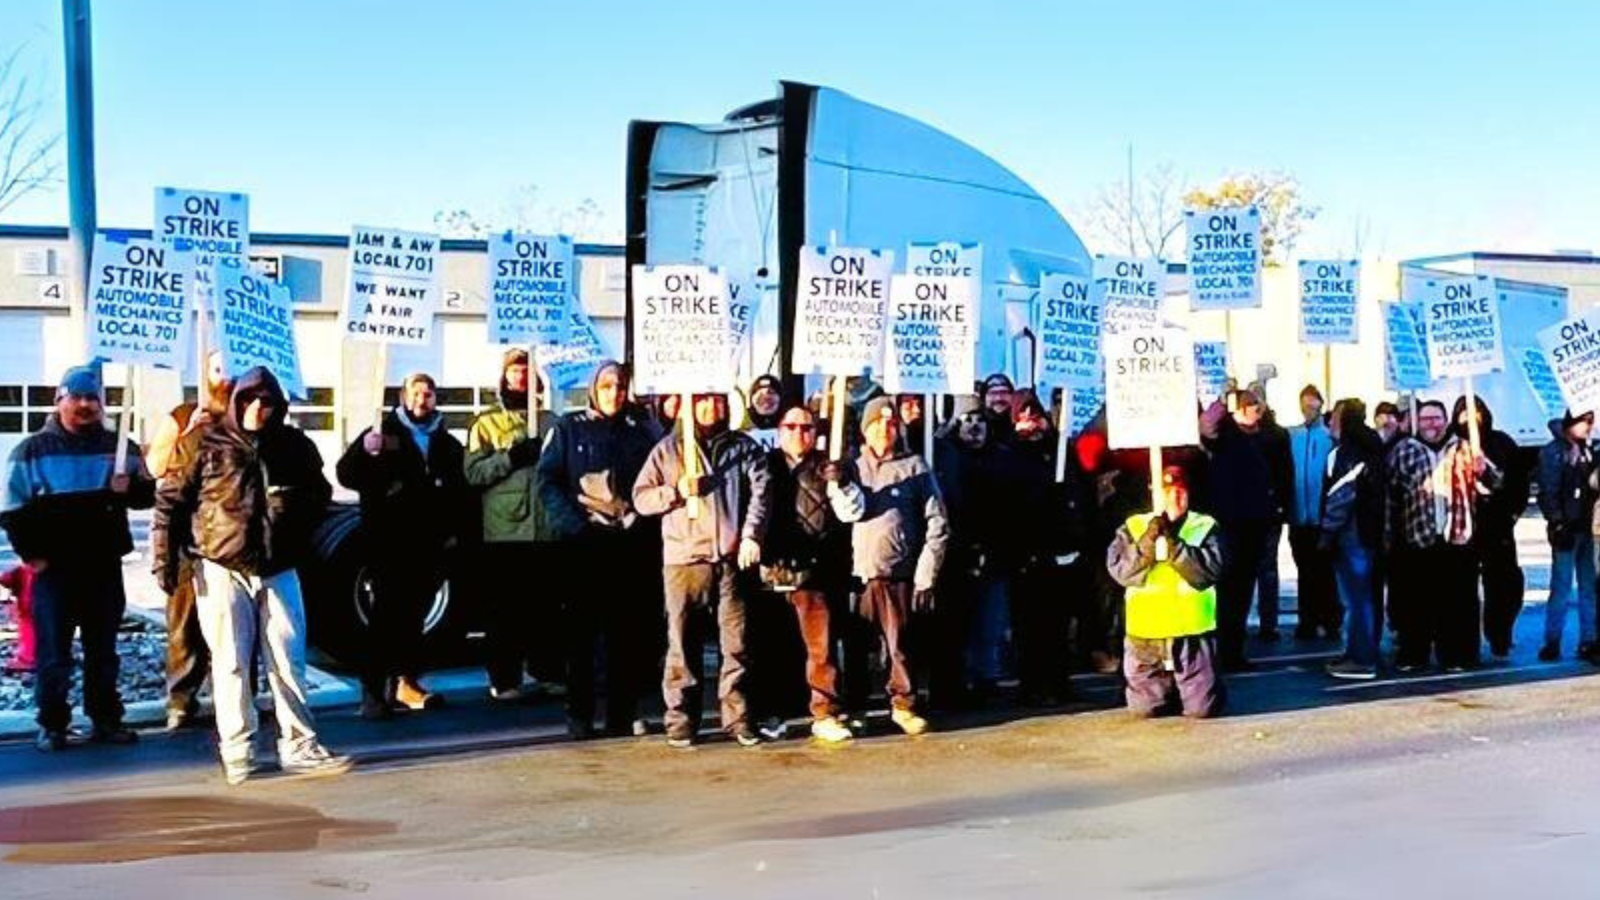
<point>316,760</point>
<point>909,722</point>
<point>831,731</point>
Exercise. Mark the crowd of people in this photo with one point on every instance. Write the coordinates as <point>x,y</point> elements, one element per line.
<point>936,573</point>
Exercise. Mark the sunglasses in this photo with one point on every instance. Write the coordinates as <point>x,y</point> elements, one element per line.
<point>798,426</point>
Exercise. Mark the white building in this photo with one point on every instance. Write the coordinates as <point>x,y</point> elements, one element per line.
<point>41,334</point>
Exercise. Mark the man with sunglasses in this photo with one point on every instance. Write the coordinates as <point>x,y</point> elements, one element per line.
<point>804,558</point>
<point>248,503</point>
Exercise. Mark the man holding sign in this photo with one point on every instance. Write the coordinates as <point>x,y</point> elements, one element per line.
<point>66,513</point>
<point>1169,563</point>
<point>703,554</point>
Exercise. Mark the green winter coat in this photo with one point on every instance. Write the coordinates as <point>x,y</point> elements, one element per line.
<point>511,509</point>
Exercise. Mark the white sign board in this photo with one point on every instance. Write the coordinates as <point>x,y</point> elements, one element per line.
<point>1150,390</point>
<point>681,330</point>
<point>1224,258</point>
<point>1463,327</point>
<point>1572,348</point>
<point>206,229</point>
<point>933,335</point>
<point>1070,316</point>
<point>572,364</point>
<point>255,327</point>
<point>392,287</point>
<point>1542,378</point>
<point>1211,370</point>
<point>839,310</point>
<point>138,310</point>
<point>945,259</point>
<point>530,288</point>
<point>1330,292</point>
<point>1134,288</point>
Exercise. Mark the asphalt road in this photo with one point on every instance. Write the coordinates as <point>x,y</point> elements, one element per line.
<point>1461,785</point>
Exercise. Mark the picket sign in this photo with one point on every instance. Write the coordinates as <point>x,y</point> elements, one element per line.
<point>836,423</point>
<point>1464,336</point>
<point>691,452</point>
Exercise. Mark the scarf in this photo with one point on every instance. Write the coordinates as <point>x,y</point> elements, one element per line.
<point>421,432</point>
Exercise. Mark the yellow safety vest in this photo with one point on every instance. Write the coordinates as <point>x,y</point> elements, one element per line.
<point>1166,606</point>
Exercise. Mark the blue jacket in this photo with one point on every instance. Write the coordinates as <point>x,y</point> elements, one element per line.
<point>58,503</point>
<point>1309,446</point>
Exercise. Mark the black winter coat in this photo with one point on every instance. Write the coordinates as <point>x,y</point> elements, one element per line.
<point>411,507</point>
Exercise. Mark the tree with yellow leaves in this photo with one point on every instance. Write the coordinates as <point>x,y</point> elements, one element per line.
<point>1276,194</point>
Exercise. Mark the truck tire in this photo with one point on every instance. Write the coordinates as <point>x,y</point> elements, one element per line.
<point>338,595</point>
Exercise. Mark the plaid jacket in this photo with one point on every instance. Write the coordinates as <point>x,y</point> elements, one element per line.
<point>1433,494</point>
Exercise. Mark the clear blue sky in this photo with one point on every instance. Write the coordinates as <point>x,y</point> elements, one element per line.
<point>1440,125</point>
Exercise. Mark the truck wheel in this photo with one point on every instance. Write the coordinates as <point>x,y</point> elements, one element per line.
<point>337,583</point>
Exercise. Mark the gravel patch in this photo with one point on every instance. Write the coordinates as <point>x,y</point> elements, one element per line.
<point>141,644</point>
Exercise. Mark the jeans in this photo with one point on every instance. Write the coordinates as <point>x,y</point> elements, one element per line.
<point>1564,564</point>
<point>84,596</point>
<point>991,620</point>
<point>1353,574</point>
<point>236,612</point>
<point>1267,580</point>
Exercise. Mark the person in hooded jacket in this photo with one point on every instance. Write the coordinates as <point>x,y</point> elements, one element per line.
<point>500,464</point>
<point>1052,580</point>
<point>246,508</point>
<point>176,442</point>
<point>980,481</point>
<point>1567,499</point>
<point>65,510</point>
<point>1494,538</point>
<point>586,474</point>
<point>1352,533</point>
<point>414,502</point>
<point>703,556</point>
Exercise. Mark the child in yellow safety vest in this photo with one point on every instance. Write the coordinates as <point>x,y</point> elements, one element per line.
<point>1168,564</point>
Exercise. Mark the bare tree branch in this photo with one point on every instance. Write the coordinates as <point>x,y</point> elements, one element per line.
<point>1137,215</point>
<point>28,160</point>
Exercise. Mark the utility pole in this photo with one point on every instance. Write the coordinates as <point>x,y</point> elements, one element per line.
<point>80,155</point>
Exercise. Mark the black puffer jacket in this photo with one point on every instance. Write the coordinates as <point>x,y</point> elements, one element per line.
<point>1050,518</point>
<point>410,504</point>
<point>804,538</point>
<point>250,499</point>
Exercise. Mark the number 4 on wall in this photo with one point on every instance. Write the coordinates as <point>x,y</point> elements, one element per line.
<point>51,292</point>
